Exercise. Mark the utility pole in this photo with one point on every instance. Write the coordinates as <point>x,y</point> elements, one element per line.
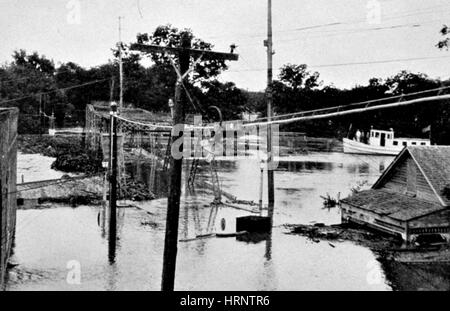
<point>184,52</point>
<point>41,114</point>
<point>120,65</point>
<point>269,45</point>
<point>173,203</point>
<point>113,184</point>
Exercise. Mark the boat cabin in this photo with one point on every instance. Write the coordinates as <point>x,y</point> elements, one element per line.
<point>387,139</point>
<point>410,199</point>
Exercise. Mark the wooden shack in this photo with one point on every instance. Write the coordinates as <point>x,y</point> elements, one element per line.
<point>410,199</point>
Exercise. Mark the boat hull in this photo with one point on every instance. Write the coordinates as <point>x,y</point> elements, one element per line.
<point>352,146</point>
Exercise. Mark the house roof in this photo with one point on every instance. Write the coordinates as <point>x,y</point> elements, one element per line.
<point>433,162</point>
<point>393,205</point>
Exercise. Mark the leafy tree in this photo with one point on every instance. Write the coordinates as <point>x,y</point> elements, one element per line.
<point>34,62</point>
<point>26,78</point>
<point>226,96</point>
<point>298,77</point>
<point>445,43</point>
<point>407,82</point>
<point>73,112</point>
<point>294,89</point>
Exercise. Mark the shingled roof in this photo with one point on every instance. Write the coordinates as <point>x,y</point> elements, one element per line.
<point>434,163</point>
<point>393,205</point>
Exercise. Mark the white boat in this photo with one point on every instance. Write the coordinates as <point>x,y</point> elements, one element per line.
<point>381,142</point>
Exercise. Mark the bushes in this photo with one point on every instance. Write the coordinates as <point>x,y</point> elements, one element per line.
<point>76,163</point>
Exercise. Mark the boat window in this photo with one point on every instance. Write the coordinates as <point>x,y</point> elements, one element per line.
<point>395,143</point>
<point>404,143</point>
<point>377,135</point>
<point>414,143</point>
<point>388,136</point>
<point>423,144</point>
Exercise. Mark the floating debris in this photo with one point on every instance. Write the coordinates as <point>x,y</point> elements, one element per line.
<point>330,202</point>
<point>386,246</point>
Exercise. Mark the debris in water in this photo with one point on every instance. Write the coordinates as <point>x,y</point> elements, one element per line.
<point>330,202</point>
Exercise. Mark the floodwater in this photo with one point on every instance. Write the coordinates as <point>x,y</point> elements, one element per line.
<point>31,167</point>
<point>65,248</point>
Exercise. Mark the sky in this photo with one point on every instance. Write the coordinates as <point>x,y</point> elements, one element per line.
<point>381,36</point>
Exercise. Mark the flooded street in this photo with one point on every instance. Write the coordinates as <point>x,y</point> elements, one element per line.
<point>51,241</point>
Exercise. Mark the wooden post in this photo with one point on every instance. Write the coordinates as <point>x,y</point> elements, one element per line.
<point>173,202</point>
<point>113,185</point>
<point>269,44</point>
<point>261,185</point>
<point>120,66</point>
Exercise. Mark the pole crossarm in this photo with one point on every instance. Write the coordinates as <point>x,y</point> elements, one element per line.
<point>205,54</point>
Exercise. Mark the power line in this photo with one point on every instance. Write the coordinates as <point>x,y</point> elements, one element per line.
<point>380,61</point>
<point>339,113</point>
<point>338,23</point>
<point>54,75</point>
<point>342,32</point>
<point>360,103</point>
<point>56,90</point>
<point>355,63</point>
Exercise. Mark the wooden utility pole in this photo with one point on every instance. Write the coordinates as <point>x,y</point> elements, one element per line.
<point>120,65</point>
<point>173,203</point>
<point>41,114</point>
<point>269,45</point>
<point>184,52</point>
<point>113,184</point>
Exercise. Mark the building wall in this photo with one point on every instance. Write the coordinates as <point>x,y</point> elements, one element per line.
<point>407,178</point>
<point>436,223</point>
<point>362,216</point>
<point>8,167</point>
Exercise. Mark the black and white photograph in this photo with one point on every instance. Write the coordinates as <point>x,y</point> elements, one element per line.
<point>239,146</point>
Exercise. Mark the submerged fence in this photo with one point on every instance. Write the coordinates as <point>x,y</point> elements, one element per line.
<point>8,168</point>
<point>148,136</point>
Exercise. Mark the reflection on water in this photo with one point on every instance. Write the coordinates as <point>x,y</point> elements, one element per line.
<point>47,239</point>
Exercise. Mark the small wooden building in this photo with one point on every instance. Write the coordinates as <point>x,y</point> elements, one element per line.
<point>411,198</point>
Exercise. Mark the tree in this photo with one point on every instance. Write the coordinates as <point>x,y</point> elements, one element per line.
<point>407,82</point>
<point>445,43</point>
<point>298,77</point>
<point>73,112</point>
<point>226,96</point>
<point>293,91</point>
<point>27,77</point>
